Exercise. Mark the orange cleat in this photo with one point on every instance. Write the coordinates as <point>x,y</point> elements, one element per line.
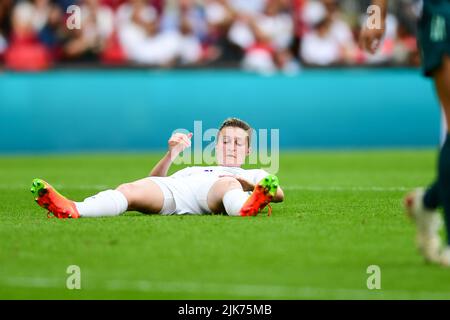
<point>48,198</point>
<point>262,195</point>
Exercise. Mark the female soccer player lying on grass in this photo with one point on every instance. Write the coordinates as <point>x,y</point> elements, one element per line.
<point>193,190</point>
<point>421,205</point>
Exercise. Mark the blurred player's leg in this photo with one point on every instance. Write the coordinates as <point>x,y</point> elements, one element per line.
<point>433,33</point>
<point>444,128</point>
<point>439,193</point>
<point>428,222</point>
<point>442,82</point>
<point>431,199</point>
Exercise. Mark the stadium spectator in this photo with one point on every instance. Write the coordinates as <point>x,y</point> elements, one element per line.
<point>341,31</point>
<point>261,35</point>
<point>320,46</point>
<point>259,54</point>
<point>113,4</point>
<point>386,53</point>
<point>64,4</point>
<point>89,41</point>
<point>5,27</point>
<point>299,25</point>
<point>218,13</point>
<point>3,46</point>
<point>186,12</point>
<point>248,7</point>
<point>272,33</point>
<point>187,19</point>
<point>48,24</point>
<point>405,49</point>
<point>190,49</point>
<point>25,52</point>
<point>219,16</point>
<point>138,27</point>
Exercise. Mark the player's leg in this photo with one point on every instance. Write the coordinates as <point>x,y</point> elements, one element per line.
<point>441,79</point>
<point>427,219</point>
<point>422,206</point>
<point>431,198</point>
<point>433,31</point>
<point>442,83</point>
<point>226,195</point>
<point>142,195</point>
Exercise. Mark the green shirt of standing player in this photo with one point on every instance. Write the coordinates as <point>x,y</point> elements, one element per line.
<point>434,41</point>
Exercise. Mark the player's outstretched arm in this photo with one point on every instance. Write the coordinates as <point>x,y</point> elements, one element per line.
<point>370,37</point>
<point>177,143</point>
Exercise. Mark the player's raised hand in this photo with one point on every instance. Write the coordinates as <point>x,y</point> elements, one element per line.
<point>178,142</point>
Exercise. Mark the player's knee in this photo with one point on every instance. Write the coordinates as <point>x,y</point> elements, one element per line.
<point>128,190</point>
<point>229,183</point>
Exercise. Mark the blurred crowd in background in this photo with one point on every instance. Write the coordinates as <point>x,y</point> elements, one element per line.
<point>259,35</point>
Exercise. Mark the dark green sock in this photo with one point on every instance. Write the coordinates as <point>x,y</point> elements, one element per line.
<point>431,199</point>
<point>444,183</point>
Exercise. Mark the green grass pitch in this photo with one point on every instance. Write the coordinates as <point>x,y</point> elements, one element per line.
<point>342,213</point>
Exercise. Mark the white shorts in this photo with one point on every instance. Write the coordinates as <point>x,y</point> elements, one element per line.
<point>185,194</point>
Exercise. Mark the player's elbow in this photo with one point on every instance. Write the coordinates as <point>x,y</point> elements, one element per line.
<point>156,174</point>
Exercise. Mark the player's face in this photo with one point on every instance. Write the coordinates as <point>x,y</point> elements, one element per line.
<point>232,147</point>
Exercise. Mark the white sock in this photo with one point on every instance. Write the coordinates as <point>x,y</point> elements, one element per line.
<point>233,201</point>
<point>105,203</point>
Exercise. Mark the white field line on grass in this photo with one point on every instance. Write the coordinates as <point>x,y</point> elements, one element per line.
<point>17,187</point>
<point>237,290</point>
<point>348,188</point>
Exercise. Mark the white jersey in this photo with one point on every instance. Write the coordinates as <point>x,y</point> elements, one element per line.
<point>186,191</point>
<point>252,175</point>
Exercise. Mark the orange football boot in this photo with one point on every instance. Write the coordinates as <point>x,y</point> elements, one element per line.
<point>263,193</point>
<point>48,198</point>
